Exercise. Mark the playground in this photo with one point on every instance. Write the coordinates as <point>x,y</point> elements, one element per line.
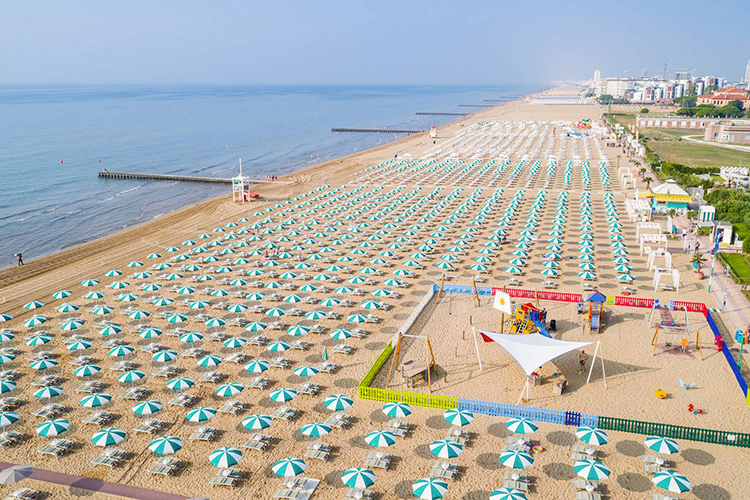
<point>644,355</point>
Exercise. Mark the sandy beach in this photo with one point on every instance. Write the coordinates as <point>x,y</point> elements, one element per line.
<point>293,255</point>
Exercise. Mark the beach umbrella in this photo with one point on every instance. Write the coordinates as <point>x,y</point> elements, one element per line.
<point>256,326</point>
<point>200,414</point>
<point>96,399</point>
<point>396,410</point>
<point>152,287</point>
<point>89,282</point>
<point>121,350</point>
<point>513,270</point>
<point>108,437</point>
<point>592,435</point>
<point>380,438</point>
<point>237,308</point>
<point>516,459</point>
<point>229,389</point>
<point>587,275</point>
<point>671,481</point>
<point>550,273</point>
<point>298,330</point>
<point>118,285</point>
<point>190,337</point>
<point>275,312</point>
<point>185,290</point>
<point>309,287</point>
<point>338,402</point>
<point>62,294</point>
<point>446,448</point>
<point>507,494</point>
<point>94,295</point>
<point>180,383</point>
<point>38,340</point>
<point>429,488</point>
<point>146,407</point>
<point>256,366</point>
<point>6,386</point>
<point>48,392</point>
<point>278,346</point>
<point>521,425</point>
<point>315,315</point>
<point>316,429</point>
<point>662,445</point>
<point>67,308</point>
<point>150,332</point>
<point>209,361</point>
<point>305,371</point>
<point>356,318</point>
<point>356,280</point>
<point>458,417</point>
<point>289,467</point>
<point>215,322</point>
<point>586,266</point>
<point>340,334</point>
<point>234,342</point>
<point>43,364</point>
<point>165,355</point>
<point>257,422</point>
<point>6,358</point>
<point>53,427</point>
<point>71,324</point>
<point>283,395</point>
<point>330,301</point>
<point>176,318</point>
<point>626,277</point>
<point>255,296</point>
<point>591,470</point>
<point>370,304</point>
<point>358,477</point>
<point>199,304</point>
<point>226,456</point>
<point>162,301</point>
<point>165,445</point>
<point>139,314</point>
<point>131,376</point>
<point>6,336</point>
<point>8,418</point>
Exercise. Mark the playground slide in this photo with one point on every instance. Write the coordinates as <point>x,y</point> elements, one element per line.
<point>594,322</point>
<point>542,330</point>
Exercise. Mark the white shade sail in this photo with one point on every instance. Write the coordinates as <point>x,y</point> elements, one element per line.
<point>532,350</point>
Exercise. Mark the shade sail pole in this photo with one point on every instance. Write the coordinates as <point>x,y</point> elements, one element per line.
<point>476,346</point>
<point>593,361</point>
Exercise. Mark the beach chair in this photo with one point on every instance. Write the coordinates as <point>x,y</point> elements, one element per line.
<point>579,456</point>
<point>280,362</point>
<point>516,476</point>
<point>299,345</point>
<point>232,407</point>
<point>358,493</point>
<point>396,431</point>
<point>98,418</point>
<point>291,494</point>
<point>203,434</point>
<point>319,446</point>
<point>317,455</point>
<point>223,481</point>
<point>398,424</point>
<point>105,461</point>
<point>24,494</point>
<point>327,366</point>
<point>252,444</point>
<point>342,349</point>
<point>660,496</point>
<point>10,438</point>
<point>591,452</point>
<point>588,495</point>
<point>517,485</point>
<point>653,468</point>
<point>582,484</point>
<point>149,426</point>
<point>9,403</point>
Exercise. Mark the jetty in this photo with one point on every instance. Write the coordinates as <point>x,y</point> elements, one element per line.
<point>475,105</point>
<point>108,174</point>
<point>440,113</point>
<point>379,130</point>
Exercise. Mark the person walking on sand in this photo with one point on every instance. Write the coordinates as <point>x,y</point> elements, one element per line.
<point>20,258</point>
<point>582,358</point>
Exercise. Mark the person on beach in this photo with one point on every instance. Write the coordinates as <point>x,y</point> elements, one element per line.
<point>697,246</point>
<point>20,258</point>
<point>582,358</point>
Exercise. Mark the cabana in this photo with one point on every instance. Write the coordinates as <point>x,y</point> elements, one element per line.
<point>653,239</point>
<point>675,286</point>
<point>532,351</point>
<point>654,254</point>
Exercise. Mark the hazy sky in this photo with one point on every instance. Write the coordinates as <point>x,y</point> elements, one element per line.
<point>379,41</point>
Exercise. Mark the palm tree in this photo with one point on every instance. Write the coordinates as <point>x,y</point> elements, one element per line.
<point>647,180</point>
<point>642,171</point>
<point>698,260</point>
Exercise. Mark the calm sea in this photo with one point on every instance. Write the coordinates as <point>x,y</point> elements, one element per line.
<point>54,140</point>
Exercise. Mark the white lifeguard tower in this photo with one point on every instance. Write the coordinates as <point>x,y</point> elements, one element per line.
<point>433,132</point>
<point>240,187</point>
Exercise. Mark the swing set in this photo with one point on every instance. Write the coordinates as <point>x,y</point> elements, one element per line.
<point>669,326</point>
<point>411,369</point>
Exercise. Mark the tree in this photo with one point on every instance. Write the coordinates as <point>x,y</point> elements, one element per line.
<point>642,171</point>
<point>644,111</point>
<point>698,260</point>
<point>737,104</point>
<point>648,180</point>
<point>746,245</point>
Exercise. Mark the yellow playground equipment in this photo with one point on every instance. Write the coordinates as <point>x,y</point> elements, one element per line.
<point>528,319</point>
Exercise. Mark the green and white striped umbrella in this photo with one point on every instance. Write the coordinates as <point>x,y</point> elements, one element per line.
<point>397,410</point>
<point>131,297</point>
<point>89,282</point>
<point>662,445</point>
<point>458,417</point>
<point>671,481</point>
<point>209,361</point>
<point>52,428</point>
<point>6,336</point>
<point>139,314</point>
<point>278,346</point>
<point>521,425</point>
<point>200,414</point>
<point>257,422</point>
<point>226,456</point>
<point>121,350</point>
<point>162,301</point>
<point>150,332</point>
<point>6,386</point>
<point>229,389</point>
<point>130,376</point>
<point>180,383</point>
<point>283,395</point>
<point>234,342</point>
<point>147,407</point>
<point>191,337</point>
<point>165,445</point>
<point>380,438</point>
<point>237,308</point>
<point>289,467</point>
<point>43,364</point>
<point>338,402</point>
<point>358,477</point>
<point>256,326</point>
<point>34,304</point>
<point>305,371</point>
<point>48,392</point>
<point>164,356</point>
<point>185,290</point>
<point>275,312</point>
<point>176,318</point>
<point>108,437</point>
<point>62,294</point>
<point>101,310</point>
<point>516,459</point>
<point>429,488</point>
<point>67,307</point>
<point>255,296</point>
<point>507,494</point>
<point>341,334</point>
<point>38,340</point>
<point>356,318</point>
<point>446,448</point>
<point>71,324</point>
<point>592,435</point>
<point>592,470</point>
<point>8,418</point>
<point>96,399</point>
<point>199,304</point>
<point>315,315</point>
<point>316,429</point>
<point>298,330</point>
<point>87,370</point>
<point>257,366</point>
<point>94,295</point>
<point>119,285</point>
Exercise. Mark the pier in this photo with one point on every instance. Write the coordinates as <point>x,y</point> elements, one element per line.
<point>475,105</point>
<point>378,130</point>
<point>440,113</point>
<point>107,174</point>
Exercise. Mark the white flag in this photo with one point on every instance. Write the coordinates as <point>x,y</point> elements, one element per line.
<point>502,302</point>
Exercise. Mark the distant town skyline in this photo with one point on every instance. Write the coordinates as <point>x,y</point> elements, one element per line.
<point>478,42</point>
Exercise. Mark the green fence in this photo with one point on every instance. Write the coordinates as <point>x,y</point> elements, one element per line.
<point>675,431</point>
<point>376,366</point>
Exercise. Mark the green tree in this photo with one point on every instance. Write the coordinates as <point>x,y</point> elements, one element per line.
<point>746,245</point>
<point>698,260</point>
<point>642,171</point>
<point>648,181</point>
<point>644,111</point>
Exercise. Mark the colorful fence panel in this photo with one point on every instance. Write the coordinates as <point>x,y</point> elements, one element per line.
<point>508,410</point>
<point>675,431</point>
<point>621,300</point>
<point>412,398</point>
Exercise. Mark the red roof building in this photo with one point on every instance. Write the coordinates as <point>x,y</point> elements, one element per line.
<point>722,97</point>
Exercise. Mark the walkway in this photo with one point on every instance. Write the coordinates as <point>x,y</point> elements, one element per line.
<point>692,138</point>
<point>96,485</point>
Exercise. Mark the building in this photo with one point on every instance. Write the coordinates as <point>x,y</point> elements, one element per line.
<point>679,122</point>
<point>598,75</point>
<point>669,196</point>
<point>728,131</point>
<point>724,96</point>
<point>747,72</point>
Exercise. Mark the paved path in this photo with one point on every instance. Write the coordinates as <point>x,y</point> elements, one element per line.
<point>97,485</point>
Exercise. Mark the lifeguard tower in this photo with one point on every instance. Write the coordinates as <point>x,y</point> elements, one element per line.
<point>433,132</point>
<point>241,188</point>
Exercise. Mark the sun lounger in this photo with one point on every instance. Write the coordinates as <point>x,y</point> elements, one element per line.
<point>318,446</point>
<point>9,403</point>
<point>211,378</point>
<point>285,413</point>
<point>516,476</point>
<point>291,494</point>
<point>579,456</point>
<point>98,418</point>
<point>149,426</point>
<point>397,431</point>
<point>252,444</point>
<point>183,400</point>
<point>588,495</point>
<point>586,450</point>
<point>299,345</point>
<point>167,372</point>
<point>327,366</point>
<point>134,394</point>
<point>23,494</point>
<point>280,362</point>
<point>357,493</point>
<point>309,388</point>
<point>10,438</point>
<point>49,411</point>
<point>232,407</point>
<point>652,459</point>
<point>653,468</point>
<point>260,383</point>
<point>398,424</point>
<point>105,461</point>
<point>582,484</point>
<point>660,496</point>
<point>203,434</point>
<point>223,481</point>
<point>317,455</point>
<point>342,349</point>
<point>517,485</point>
<point>236,357</point>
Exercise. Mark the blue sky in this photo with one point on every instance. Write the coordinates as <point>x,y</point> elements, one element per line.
<point>381,41</point>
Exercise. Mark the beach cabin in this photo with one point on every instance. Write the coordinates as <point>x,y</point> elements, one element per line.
<point>669,195</point>
<point>724,231</point>
<point>707,213</point>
